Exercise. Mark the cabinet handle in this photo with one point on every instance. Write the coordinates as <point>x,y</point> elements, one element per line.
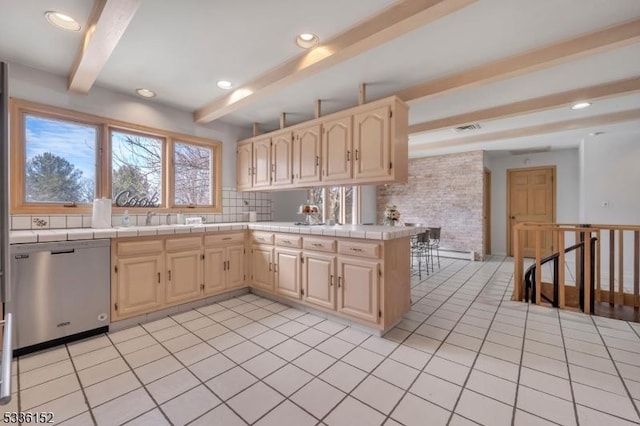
<point>275,268</point>
<point>355,249</point>
<point>228,265</point>
<point>227,238</point>
<point>317,160</point>
<point>158,277</point>
<point>286,241</point>
<point>316,244</point>
<point>224,265</point>
<point>249,171</point>
<point>357,156</point>
<point>269,266</point>
<point>348,155</point>
<point>273,167</point>
<point>339,281</point>
<point>331,280</point>
<point>169,274</point>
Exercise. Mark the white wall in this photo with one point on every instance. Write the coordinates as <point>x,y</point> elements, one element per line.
<point>38,86</point>
<point>567,189</point>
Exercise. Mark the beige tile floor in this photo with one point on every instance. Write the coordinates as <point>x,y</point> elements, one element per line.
<point>465,354</point>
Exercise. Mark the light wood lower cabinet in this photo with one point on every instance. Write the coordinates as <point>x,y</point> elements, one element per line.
<point>262,267</point>
<point>184,269</point>
<point>224,268</point>
<point>318,279</point>
<point>358,288</point>
<point>137,282</point>
<point>287,272</point>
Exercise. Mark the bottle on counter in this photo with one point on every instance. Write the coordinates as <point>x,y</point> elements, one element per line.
<point>126,221</point>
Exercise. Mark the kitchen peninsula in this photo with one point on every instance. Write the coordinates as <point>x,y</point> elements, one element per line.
<point>355,273</point>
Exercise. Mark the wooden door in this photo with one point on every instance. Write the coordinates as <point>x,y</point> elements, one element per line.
<point>236,272</point>
<point>244,166</point>
<point>214,270</point>
<point>306,154</point>
<point>282,158</point>
<point>184,276</point>
<point>372,143</point>
<point>261,162</point>
<point>531,198</point>
<point>318,280</point>
<point>337,148</point>
<point>486,217</point>
<point>262,267</point>
<point>287,272</point>
<point>139,285</point>
<point>358,288</point>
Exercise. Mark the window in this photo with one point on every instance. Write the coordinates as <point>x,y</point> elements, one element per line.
<point>193,168</point>
<point>136,169</point>
<point>62,159</point>
<point>336,203</point>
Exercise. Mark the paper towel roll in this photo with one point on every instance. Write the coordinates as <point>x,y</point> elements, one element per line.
<point>101,213</point>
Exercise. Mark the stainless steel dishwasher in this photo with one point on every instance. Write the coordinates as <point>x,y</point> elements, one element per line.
<point>59,292</point>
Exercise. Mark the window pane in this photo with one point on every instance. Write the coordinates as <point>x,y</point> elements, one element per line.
<point>136,167</point>
<point>193,171</point>
<point>60,161</point>
<point>348,204</point>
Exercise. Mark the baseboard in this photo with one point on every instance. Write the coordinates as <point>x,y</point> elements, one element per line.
<point>457,254</point>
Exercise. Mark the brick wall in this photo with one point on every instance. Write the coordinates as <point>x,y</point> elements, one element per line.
<point>443,191</point>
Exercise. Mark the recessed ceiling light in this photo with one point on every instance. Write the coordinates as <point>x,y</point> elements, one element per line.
<point>307,40</point>
<point>62,21</point>
<point>224,84</point>
<point>581,105</point>
<point>145,93</point>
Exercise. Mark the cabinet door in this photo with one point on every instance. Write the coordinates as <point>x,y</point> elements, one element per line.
<point>282,158</point>
<point>262,264</point>
<point>261,162</point>
<point>236,273</point>
<point>337,150</point>
<point>318,279</point>
<point>306,154</point>
<point>214,270</point>
<point>358,288</point>
<point>184,276</point>
<point>244,166</point>
<point>139,285</point>
<point>372,143</point>
<point>287,272</point>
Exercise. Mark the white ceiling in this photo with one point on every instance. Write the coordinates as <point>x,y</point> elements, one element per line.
<point>181,48</point>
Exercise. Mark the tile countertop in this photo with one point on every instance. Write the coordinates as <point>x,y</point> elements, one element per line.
<point>369,232</point>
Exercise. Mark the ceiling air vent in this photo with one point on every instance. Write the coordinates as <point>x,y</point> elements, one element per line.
<point>467,128</point>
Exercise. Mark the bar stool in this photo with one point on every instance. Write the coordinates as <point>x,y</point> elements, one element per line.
<point>420,251</point>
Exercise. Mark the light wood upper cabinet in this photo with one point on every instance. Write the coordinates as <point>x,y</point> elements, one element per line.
<point>372,147</point>
<point>307,152</point>
<point>262,162</point>
<point>282,159</point>
<point>287,272</point>
<point>365,144</point>
<point>244,167</point>
<point>358,288</point>
<point>337,146</point>
<point>318,279</point>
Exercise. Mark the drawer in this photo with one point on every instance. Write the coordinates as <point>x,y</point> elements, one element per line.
<point>185,243</point>
<point>359,249</point>
<point>262,237</point>
<point>288,241</point>
<point>138,248</point>
<point>319,244</point>
<point>217,239</point>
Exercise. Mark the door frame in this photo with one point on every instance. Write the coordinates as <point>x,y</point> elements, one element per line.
<point>553,198</point>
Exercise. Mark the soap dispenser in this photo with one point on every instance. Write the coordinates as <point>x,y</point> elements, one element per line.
<point>125,219</point>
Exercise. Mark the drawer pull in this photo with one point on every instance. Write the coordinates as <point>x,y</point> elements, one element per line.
<point>286,241</point>
<point>316,244</point>
<point>224,265</point>
<point>269,266</point>
<point>339,281</point>
<point>227,238</point>
<point>169,274</point>
<point>355,249</point>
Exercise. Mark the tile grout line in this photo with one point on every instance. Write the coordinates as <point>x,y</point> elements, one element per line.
<point>566,356</point>
<point>84,394</point>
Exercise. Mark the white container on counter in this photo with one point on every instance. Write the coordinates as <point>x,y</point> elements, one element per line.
<point>101,213</point>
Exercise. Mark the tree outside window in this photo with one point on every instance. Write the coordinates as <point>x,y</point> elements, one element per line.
<point>193,167</point>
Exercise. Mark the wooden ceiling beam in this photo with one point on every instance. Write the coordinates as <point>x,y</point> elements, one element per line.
<point>543,103</point>
<point>594,42</point>
<point>391,23</point>
<point>106,25</point>
<point>559,126</point>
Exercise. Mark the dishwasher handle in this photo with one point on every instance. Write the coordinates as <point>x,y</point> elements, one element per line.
<point>70,251</point>
<point>5,378</point>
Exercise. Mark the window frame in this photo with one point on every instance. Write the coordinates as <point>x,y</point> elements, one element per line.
<point>19,108</point>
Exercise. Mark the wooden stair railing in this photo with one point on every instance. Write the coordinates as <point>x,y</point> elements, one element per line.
<point>601,268</point>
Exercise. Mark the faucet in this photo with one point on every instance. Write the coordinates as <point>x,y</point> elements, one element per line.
<point>147,221</point>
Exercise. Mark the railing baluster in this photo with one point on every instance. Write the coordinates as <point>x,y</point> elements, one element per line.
<point>562,266</point>
<point>598,281</point>
<point>586,250</point>
<point>538,265</point>
<point>636,268</point>
<point>612,265</point>
<point>620,294</point>
<point>518,271</point>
